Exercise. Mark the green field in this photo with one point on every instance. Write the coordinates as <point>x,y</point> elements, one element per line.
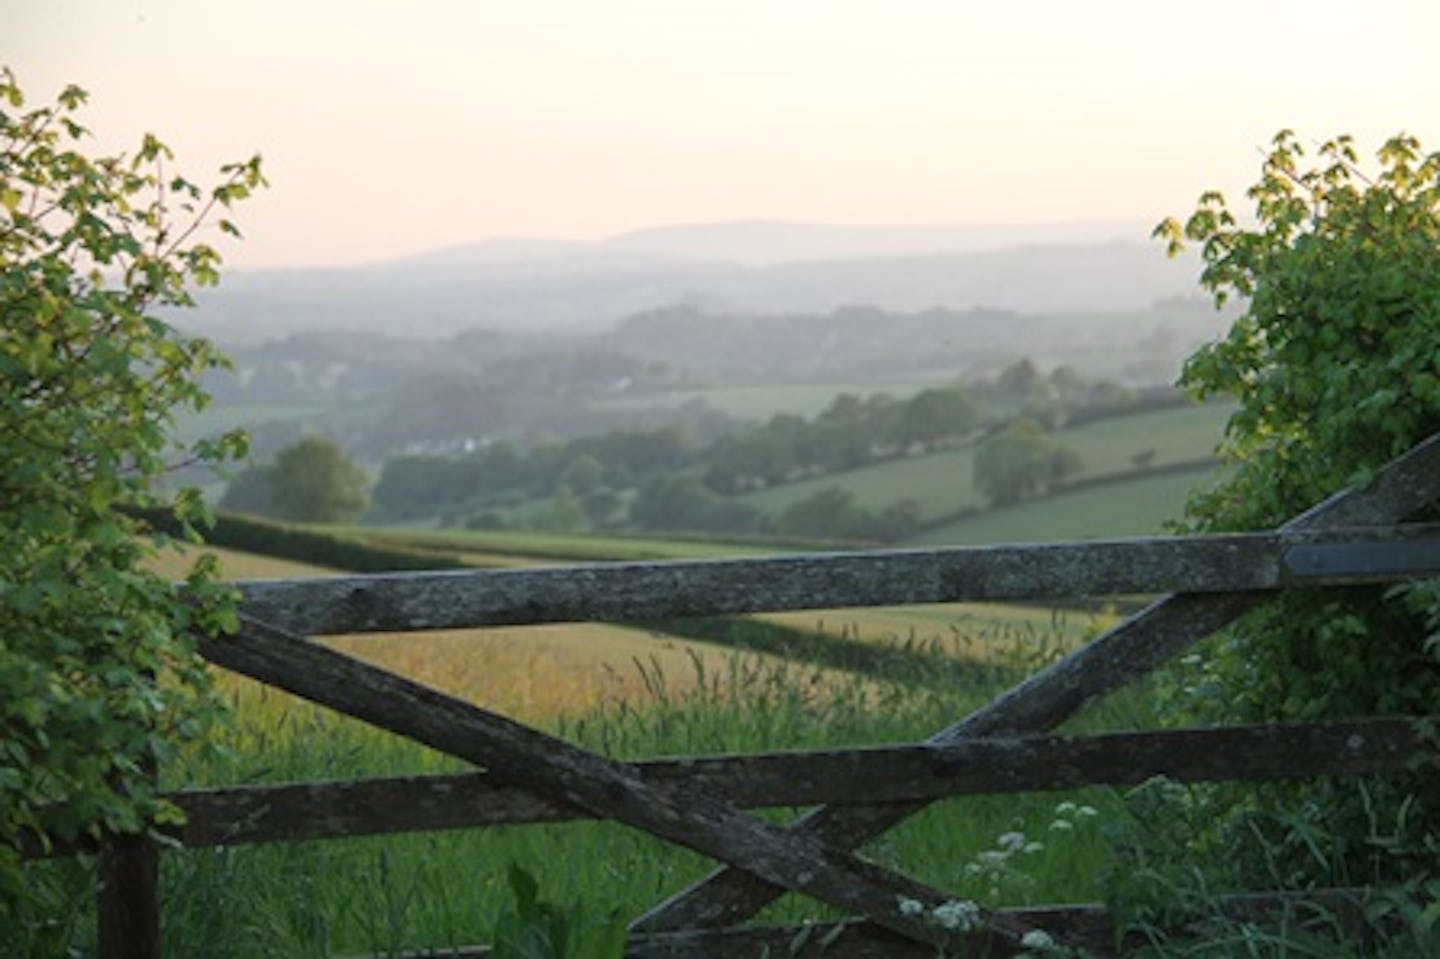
<point>943,483</point>
<point>1133,507</point>
<point>520,547</point>
<point>759,403</point>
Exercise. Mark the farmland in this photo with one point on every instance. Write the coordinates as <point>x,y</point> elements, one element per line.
<point>539,672</point>
<point>536,673</point>
<point>1133,507</point>
<point>764,401</point>
<point>943,483</point>
<point>636,692</point>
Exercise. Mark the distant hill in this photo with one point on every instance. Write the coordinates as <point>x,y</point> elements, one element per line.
<point>769,242</point>
<point>757,267</point>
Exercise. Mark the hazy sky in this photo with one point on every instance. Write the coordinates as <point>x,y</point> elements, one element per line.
<point>390,128</point>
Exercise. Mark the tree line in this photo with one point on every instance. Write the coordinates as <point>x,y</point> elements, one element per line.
<point>664,479</point>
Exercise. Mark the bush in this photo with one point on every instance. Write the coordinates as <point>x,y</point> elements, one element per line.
<point>99,677</point>
<point>1336,364</point>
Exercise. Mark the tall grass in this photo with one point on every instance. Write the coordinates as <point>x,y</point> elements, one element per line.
<point>441,890</point>
<point>436,891</point>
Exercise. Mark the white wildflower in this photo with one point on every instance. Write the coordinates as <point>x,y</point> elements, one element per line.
<point>957,915</point>
<point>1062,825</point>
<point>911,907</point>
<point>1011,841</point>
<point>1037,939</point>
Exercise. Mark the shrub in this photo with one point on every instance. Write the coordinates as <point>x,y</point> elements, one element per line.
<point>99,677</point>
<point>1336,364</point>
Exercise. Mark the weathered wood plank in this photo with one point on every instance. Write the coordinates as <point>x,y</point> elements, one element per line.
<point>128,902</point>
<point>1129,651</point>
<point>555,769</point>
<point>251,814</point>
<point>609,592</point>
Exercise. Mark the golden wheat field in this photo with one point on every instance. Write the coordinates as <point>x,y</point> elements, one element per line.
<point>532,673</point>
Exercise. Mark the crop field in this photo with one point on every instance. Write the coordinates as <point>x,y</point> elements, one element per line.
<point>943,483</point>
<point>532,673</point>
<point>977,631</point>
<point>234,564</point>
<point>539,672</point>
<point>524,548</point>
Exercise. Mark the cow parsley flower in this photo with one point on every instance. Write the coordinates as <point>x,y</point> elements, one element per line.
<point>1037,939</point>
<point>957,915</point>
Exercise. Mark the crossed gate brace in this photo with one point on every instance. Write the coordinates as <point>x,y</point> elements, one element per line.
<point>812,855</point>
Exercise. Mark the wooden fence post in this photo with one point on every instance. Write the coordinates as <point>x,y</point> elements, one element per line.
<point>129,899</point>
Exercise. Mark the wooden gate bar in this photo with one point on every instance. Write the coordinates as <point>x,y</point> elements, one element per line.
<point>554,768</point>
<point>609,592</point>
<point>1124,654</point>
<point>320,810</point>
<point>237,815</point>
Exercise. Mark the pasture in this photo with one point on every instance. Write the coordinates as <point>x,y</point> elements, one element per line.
<point>1132,507</point>
<point>759,403</point>
<point>944,483</point>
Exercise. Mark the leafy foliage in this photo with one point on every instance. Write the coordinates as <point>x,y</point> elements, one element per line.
<point>833,514</point>
<point>313,481</point>
<point>1336,363</point>
<point>1020,462</point>
<point>1337,358</point>
<point>540,929</point>
<point>249,491</point>
<point>99,679</point>
<point>684,502</point>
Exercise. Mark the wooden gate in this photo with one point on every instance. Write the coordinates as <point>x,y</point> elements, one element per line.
<point>524,775</point>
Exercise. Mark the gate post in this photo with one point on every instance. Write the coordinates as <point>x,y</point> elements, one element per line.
<point>129,899</point>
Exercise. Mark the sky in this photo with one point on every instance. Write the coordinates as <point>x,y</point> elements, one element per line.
<point>394,128</point>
